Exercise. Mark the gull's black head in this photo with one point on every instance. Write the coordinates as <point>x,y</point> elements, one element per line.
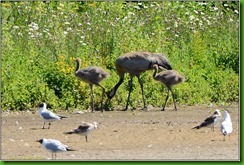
<point>40,141</point>
<point>41,105</point>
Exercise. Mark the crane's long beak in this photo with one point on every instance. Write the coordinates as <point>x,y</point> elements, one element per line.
<point>161,68</point>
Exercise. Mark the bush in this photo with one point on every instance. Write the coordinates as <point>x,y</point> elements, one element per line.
<point>40,41</point>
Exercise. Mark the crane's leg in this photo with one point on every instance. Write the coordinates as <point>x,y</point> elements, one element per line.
<point>92,97</point>
<point>103,91</point>
<point>166,100</point>
<point>142,91</point>
<point>86,139</point>
<point>128,98</point>
<point>173,98</point>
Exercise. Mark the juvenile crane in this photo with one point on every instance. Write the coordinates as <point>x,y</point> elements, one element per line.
<point>168,78</point>
<point>136,63</point>
<point>92,75</point>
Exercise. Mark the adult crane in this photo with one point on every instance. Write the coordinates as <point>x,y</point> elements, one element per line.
<point>136,63</point>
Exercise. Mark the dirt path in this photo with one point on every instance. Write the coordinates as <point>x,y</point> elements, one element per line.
<point>137,135</point>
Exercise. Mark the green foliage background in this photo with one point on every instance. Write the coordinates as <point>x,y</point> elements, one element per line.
<point>40,41</point>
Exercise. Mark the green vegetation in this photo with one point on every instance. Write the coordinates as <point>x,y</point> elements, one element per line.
<point>40,41</point>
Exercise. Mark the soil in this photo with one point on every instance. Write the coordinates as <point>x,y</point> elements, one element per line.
<point>124,135</point>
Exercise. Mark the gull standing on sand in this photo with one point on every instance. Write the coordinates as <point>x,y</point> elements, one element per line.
<point>84,129</point>
<point>211,121</point>
<point>226,125</point>
<point>54,146</point>
<point>47,115</point>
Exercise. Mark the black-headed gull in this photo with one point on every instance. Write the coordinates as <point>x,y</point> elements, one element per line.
<point>226,125</point>
<point>211,121</point>
<point>54,146</point>
<point>47,115</point>
<point>84,129</point>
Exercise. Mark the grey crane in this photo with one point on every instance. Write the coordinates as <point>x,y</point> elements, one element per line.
<point>136,63</point>
<point>92,75</point>
<point>168,78</point>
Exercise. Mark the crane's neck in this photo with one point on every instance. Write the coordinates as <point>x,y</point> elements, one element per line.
<point>155,68</point>
<point>77,65</point>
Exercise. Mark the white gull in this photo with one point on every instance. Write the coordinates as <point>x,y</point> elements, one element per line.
<point>54,146</point>
<point>47,115</point>
<point>226,125</point>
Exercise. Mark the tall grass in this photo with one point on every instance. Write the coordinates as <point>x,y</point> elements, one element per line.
<point>40,41</point>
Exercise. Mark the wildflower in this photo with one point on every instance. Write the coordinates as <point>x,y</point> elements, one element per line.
<point>67,23</point>
<point>65,33</point>
<point>175,24</point>
<point>69,29</point>
<point>15,27</point>
<point>192,17</point>
<point>230,20</point>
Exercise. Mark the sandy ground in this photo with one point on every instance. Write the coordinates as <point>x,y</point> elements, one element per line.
<point>137,135</point>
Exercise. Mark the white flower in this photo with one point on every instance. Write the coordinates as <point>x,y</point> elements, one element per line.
<point>65,33</point>
<point>209,23</point>
<point>215,8</point>
<point>231,20</point>
<point>69,29</point>
<point>192,17</point>
<point>225,4</point>
<point>15,27</point>
<point>66,23</point>
<point>175,24</point>
<point>236,11</point>
<point>35,27</point>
